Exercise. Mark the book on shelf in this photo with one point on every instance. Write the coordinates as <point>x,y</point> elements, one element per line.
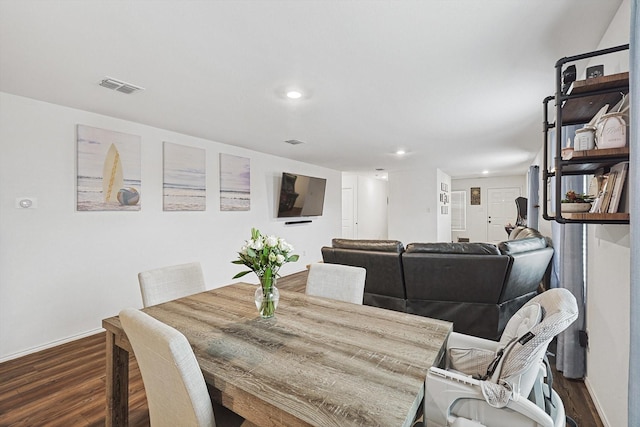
<point>624,205</point>
<point>608,191</point>
<point>602,180</point>
<point>621,170</point>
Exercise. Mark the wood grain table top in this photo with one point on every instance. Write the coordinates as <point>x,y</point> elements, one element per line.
<point>318,362</point>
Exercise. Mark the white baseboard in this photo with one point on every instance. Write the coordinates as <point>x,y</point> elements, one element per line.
<point>596,403</point>
<point>51,344</point>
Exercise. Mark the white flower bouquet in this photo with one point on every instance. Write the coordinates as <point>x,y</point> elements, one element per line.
<point>264,255</point>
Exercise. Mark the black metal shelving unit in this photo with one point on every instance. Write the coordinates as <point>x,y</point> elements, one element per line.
<point>578,106</point>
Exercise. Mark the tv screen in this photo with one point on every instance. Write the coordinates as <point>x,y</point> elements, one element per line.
<point>301,195</point>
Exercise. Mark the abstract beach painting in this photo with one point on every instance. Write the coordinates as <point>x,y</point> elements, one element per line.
<point>235,183</point>
<point>184,184</point>
<point>108,177</point>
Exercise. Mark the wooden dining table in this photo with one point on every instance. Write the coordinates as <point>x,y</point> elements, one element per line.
<point>318,362</point>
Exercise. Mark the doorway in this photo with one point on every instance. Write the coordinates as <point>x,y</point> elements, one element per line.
<point>364,207</point>
<point>348,213</point>
<point>501,211</point>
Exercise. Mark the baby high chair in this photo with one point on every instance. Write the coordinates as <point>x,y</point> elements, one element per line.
<point>502,384</point>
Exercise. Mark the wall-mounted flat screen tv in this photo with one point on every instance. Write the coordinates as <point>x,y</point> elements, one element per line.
<point>301,195</point>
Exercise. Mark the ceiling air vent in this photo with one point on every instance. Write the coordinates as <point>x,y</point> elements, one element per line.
<point>119,86</point>
<point>294,142</point>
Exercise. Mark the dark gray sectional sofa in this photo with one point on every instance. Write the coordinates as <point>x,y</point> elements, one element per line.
<point>384,286</point>
<point>477,286</point>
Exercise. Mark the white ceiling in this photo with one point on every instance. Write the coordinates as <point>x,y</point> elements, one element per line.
<point>458,84</point>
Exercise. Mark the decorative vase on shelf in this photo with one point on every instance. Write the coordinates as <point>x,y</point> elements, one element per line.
<point>575,207</point>
<point>267,297</point>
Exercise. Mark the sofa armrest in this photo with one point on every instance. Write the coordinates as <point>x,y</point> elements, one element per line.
<point>526,272</point>
<point>511,247</point>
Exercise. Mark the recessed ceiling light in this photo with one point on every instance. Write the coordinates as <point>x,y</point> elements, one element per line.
<point>400,152</point>
<point>294,94</point>
<point>485,172</point>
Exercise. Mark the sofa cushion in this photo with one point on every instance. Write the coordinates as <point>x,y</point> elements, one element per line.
<point>453,248</point>
<point>511,247</point>
<point>369,245</point>
<point>458,277</point>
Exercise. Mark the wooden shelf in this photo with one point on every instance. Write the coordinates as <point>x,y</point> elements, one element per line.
<point>581,109</point>
<point>601,154</point>
<point>599,83</point>
<point>586,216</point>
<point>583,100</point>
<point>589,161</point>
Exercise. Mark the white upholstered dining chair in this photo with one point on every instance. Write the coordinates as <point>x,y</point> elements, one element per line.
<point>176,391</point>
<point>336,281</point>
<point>168,283</point>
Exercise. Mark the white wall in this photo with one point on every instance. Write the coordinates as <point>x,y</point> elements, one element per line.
<point>609,281</point>
<point>413,206</point>
<point>617,34</point>
<point>608,290</point>
<point>544,226</point>
<point>477,215</point>
<point>62,271</point>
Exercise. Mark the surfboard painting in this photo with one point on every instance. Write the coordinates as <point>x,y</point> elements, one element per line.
<point>112,175</point>
<point>108,177</point>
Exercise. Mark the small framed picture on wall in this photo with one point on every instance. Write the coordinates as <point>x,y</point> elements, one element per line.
<point>475,195</point>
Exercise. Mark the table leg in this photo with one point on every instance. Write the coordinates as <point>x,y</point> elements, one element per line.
<point>117,384</point>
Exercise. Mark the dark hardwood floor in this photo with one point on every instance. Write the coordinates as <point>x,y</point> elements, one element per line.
<point>576,399</point>
<point>65,385</point>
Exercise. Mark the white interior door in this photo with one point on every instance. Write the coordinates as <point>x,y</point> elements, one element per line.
<point>348,214</point>
<point>501,211</point>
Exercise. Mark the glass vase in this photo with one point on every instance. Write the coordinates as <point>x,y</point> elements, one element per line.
<point>266,297</point>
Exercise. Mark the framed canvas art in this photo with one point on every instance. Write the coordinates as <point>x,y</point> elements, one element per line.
<point>184,178</point>
<point>235,183</point>
<point>108,170</point>
<point>475,195</point>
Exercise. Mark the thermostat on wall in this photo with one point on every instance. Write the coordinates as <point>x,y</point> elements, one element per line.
<point>26,202</point>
